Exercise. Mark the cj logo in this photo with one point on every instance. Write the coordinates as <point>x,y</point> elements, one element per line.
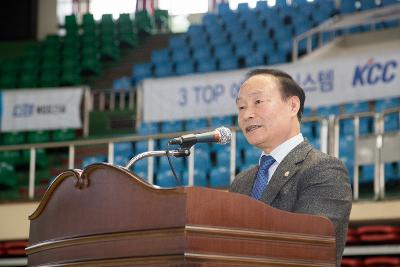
<point>374,72</point>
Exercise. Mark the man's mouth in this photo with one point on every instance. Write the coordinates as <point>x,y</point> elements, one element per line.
<point>252,128</point>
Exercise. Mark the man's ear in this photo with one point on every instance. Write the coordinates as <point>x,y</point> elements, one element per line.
<point>294,103</point>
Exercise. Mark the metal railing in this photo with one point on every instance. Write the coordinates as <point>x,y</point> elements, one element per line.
<point>384,146</point>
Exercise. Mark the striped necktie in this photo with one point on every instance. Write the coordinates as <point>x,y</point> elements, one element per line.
<point>261,181</point>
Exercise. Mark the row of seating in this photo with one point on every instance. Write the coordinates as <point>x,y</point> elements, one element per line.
<point>64,60</point>
<point>247,37</point>
<point>371,261</point>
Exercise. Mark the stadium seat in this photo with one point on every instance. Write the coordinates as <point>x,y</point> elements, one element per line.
<point>163,69</point>
<point>206,65</point>
<point>63,135</point>
<point>160,56</point>
<point>199,178</point>
<point>201,53</point>
<point>219,177</point>
<point>166,179</point>
<point>177,42</point>
<point>141,71</point>
<point>228,63</point>
<point>93,159</point>
<point>347,7</point>
<point>148,128</point>
<point>185,67</point>
<point>196,124</point>
<point>171,126</point>
<point>221,121</point>
<point>179,55</point>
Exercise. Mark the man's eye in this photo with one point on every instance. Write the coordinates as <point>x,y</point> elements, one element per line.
<point>258,101</point>
<point>241,107</point>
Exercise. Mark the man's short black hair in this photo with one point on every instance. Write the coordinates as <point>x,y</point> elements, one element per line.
<point>289,87</point>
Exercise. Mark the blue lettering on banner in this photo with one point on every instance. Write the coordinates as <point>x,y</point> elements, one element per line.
<point>374,72</point>
<point>323,81</point>
<point>183,99</point>
<point>23,110</point>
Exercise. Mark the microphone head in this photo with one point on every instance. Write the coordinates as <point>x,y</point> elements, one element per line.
<point>225,135</point>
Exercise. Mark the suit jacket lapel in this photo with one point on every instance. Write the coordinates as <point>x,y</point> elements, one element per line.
<point>285,171</point>
<point>248,186</point>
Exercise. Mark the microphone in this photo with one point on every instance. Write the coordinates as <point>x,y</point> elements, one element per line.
<point>221,135</point>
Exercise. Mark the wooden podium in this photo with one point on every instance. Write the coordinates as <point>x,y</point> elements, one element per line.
<point>105,216</point>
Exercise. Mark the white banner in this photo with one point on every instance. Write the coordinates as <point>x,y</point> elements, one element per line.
<point>24,110</point>
<point>325,82</point>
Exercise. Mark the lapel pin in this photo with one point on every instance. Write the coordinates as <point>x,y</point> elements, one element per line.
<point>287,173</point>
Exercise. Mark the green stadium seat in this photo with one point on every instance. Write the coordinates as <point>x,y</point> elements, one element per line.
<point>90,65</point>
<point>71,26</point>
<point>70,76</point>
<point>161,18</point>
<point>63,135</point>
<point>11,157</point>
<point>8,177</point>
<point>13,138</point>
<point>88,23</point>
<point>28,79</point>
<point>49,78</point>
<point>38,136</point>
<point>143,22</point>
<point>8,74</point>
<point>41,158</point>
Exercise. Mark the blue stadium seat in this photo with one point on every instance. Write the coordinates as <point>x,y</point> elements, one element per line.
<point>368,4</point>
<point>307,112</point>
<point>391,122</point>
<point>348,161</point>
<point>367,174</point>
<point>202,160</point>
<point>148,128</point>
<point>267,47</point>
<point>180,54</point>
<point>177,42</point>
<point>243,9</point>
<point>178,163</point>
<point>252,156</point>
<point>171,126</point>
<point>220,177</point>
<point>141,71</point>
<point>228,63</point>
<point>392,171</point>
<point>389,2</point>
<point>327,7</point>
<point>166,179</point>
<point>221,121</point>
<point>163,69</point>
<point>201,53</point>
<point>254,59</point>
<point>222,51</point>
<point>183,68</point>
<point>121,160</point>
<point>243,49</point>
<point>124,149</point>
<point>160,56</point>
<point>262,6</point>
<point>277,58</point>
<point>141,146</point>
<point>324,111</point>
<point>196,124</point>
<point>218,39</point>
<point>223,8</point>
<point>347,6</point>
<point>210,19</point>
<point>199,177</point>
<point>206,65</point>
<point>241,142</point>
<point>346,146</point>
<point>346,127</point>
<point>282,34</point>
<point>198,41</point>
<point>93,159</point>
<point>387,103</point>
<point>351,108</point>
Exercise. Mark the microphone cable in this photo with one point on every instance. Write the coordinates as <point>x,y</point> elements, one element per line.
<point>177,179</point>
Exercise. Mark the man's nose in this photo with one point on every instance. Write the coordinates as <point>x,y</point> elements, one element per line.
<point>248,114</point>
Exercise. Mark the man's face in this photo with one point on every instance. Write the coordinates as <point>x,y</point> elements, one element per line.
<point>264,117</point>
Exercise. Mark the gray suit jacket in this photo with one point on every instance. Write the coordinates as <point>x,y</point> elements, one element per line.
<point>317,184</point>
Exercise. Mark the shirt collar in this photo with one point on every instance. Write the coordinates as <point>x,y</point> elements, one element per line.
<point>280,152</point>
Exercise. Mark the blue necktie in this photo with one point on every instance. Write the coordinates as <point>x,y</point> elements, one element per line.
<point>262,176</point>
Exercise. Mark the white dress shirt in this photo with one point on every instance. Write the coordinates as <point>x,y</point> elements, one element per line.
<point>280,152</point>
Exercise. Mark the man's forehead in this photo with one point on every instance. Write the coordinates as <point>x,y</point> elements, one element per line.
<point>252,93</point>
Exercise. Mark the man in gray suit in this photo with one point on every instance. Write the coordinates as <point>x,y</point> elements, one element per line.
<point>292,176</point>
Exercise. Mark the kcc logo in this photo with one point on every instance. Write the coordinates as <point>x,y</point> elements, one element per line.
<point>374,72</point>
